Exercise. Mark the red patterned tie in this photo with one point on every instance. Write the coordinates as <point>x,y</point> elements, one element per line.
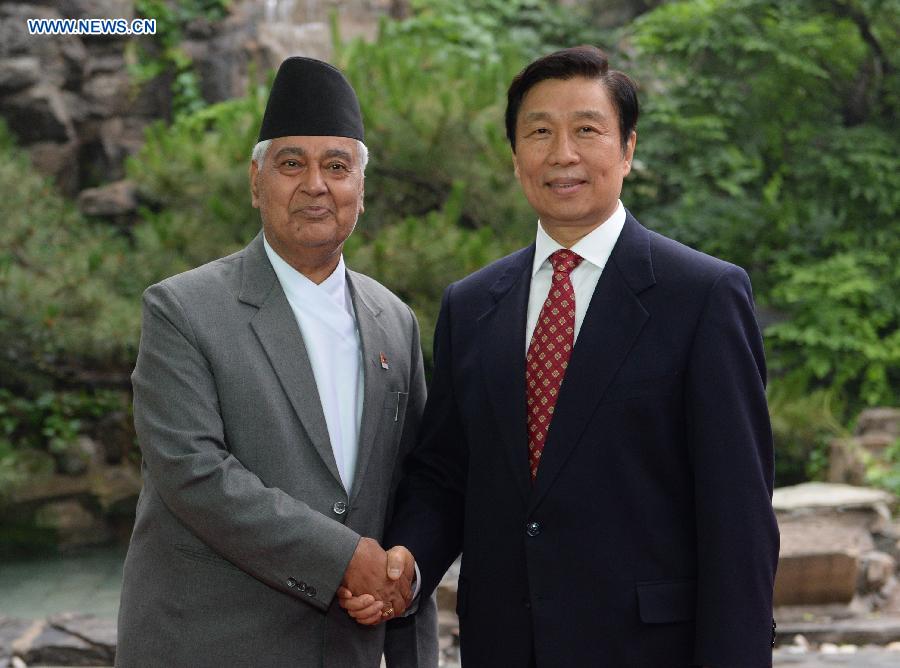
<point>548,353</point>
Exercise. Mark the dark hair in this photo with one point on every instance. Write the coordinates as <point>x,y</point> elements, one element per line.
<point>579,61</point>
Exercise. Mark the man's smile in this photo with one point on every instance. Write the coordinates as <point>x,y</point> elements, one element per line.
<point>565,186</point>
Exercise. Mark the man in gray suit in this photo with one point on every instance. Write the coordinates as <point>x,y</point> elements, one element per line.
<point>275,394</point>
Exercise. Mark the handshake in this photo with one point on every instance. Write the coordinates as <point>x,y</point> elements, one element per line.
<point>377,585</point>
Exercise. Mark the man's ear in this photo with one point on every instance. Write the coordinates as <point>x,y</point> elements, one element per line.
<point>629,152</point>
<point>254,187</point>
<point>362,197</point>
<point>515,164</point>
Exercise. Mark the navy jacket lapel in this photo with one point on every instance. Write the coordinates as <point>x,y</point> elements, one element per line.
<point>502,333</point>
<point>612,323</point>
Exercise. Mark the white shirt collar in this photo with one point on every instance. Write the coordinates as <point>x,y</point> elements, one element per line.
<point>595,247</point>
<point>295,284</point>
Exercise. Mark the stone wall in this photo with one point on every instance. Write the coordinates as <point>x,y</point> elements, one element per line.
<point>71,102</point>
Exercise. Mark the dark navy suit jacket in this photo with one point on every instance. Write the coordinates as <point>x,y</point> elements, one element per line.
<point>648,538</point>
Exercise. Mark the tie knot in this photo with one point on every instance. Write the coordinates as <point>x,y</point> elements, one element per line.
<point>564,261</point>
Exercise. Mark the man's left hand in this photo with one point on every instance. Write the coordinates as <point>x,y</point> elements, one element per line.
<point>366,608</point>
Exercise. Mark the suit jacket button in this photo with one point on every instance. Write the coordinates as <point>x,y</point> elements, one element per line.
<point>311,592</point>
<point>532,529</point>
<point>339,507</point>
<point>291,582</point>
<point>301,586</point>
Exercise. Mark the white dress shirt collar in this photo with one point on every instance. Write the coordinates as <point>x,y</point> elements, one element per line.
<point>295,284</point>
<point>595,247</point>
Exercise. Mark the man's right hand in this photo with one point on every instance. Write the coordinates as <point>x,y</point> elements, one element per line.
<point>369,608</point>
<point>376,585</point>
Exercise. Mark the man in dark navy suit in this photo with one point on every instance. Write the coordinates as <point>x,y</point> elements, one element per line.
<point>596,440</point>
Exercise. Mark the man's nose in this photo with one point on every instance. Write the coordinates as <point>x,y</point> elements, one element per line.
<point>563,151</point>
<point>313,183</point>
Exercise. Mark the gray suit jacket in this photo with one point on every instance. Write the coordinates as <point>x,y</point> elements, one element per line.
<point>243,527</point>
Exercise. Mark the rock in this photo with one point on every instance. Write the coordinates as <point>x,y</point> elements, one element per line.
<point>876,631</point>
<point>61,56</point>
<point>107,94</point>
<point>846,462</point>
<point>816,579</point>
<point>877,568</point>
<point>116,489</point>
<point>106,143</point>
<point>104,63</point>
<point>884,420</point>
<point>10,630</point>
<point>18,73</point>
<point>77,456</point>
<point>825,531</point>
<point>14,37</point>
<point>52,487</point>
<point>870,506</point>
<point>38,113</point>
<point>58,161</point>
<point>277,41</point>
<point>74,525</point>
<point>96,9</point>
<point>890,597</point>
<point>222,68</point>
<point>115,432</point>
<point>99,632</point>
<point>112,200</point>
<point>49,646</point>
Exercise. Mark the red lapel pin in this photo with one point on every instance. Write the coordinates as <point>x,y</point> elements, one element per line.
<point>384,361</point>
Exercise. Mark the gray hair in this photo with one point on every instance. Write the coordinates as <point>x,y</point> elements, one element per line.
<point>260,150</point>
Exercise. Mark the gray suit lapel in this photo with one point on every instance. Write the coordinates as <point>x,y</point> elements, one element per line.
<point>276,328</point>
<point>375,379</point>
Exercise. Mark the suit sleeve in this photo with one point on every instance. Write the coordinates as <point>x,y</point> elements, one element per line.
<point>730,441</point>
<point>431,498</point>
<point>412,641</point>
<point>264,531</point>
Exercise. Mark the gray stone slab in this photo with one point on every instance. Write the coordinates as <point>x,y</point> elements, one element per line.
<point>829,495</point>
<point>97,631</point>
<point>876,631</point>
<point>864,658</point>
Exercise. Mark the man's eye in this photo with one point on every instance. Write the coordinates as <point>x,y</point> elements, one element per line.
<point>586,129</point>
<point>540,131</point>
<point>291,163</point>
<point>337,167</point>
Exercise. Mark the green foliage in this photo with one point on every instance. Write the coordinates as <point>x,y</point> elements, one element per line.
<point>884,471</point>
<point>843,332</point>
<point>802,426</point>
<point>420,255</point>
<point>434,119</point>
<point>163,55</point>
<point>193,175</point>
<point>768,139</point>
<point>481,29</point>
<point>59,317</point>
<point>35,430</point>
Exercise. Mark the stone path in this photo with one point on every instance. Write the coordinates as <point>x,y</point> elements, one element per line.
<point>37,589</point>
<point>862,658</point>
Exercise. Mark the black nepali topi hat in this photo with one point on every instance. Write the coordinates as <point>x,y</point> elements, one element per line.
<point>311,97</point>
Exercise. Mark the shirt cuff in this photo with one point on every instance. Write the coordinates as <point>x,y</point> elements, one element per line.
<point>417,583</point>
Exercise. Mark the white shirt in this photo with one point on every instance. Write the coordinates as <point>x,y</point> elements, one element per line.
<point>594,247</point>
<point>327,322</point>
